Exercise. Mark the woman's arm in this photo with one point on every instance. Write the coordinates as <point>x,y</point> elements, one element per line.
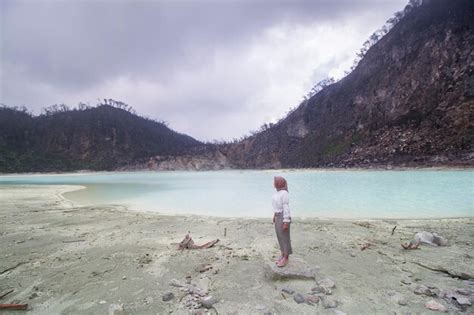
<point>285,200</point>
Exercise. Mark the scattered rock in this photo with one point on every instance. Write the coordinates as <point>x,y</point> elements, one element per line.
<point>312,299</point>
<point>402,301</point>
<point>299,298</point>
<point>329,303</point>
<point>406,281</point>
<point>424,290</point>
<point>102,302</point>
<point>167,296</point>
<point>176,283</point>
<point>124,278</point>
<point>208,301</point>
<point>353,254</point>
<point>338,312</point>
<point>204,268</point>
<point>436,306</point>
<point>288,290</point>
<point>116,309</point>
<point>463,291</point>
<point>327,283</point>
<point>462,301</point>
<point>321,290</point>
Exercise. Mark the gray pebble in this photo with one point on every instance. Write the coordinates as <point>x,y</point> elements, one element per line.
<point>208,301</point>
<point>288,290</point>
<point>463,291</point>
<point>299,298</point>
<point>329,303</point>
<point>168,296</point>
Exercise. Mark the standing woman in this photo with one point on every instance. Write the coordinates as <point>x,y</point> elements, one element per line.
<point>282,218</point>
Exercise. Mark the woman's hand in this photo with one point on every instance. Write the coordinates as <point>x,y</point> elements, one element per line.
<point>285,226</point>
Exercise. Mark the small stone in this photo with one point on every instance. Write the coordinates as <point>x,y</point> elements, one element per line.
<point>329,303</point>
<point>115,309</point>
<point>208,301</point>
<point>423,290</point>
<point>167,296</point>
<point>406,281</point>
<point>338,312</point>
<point>176,283</point>
<point>312,299</point>
<point>299,298</point>
<point>463,291</point>
<point>435,306</point>
<point>102,302</point>
<point>402,301</point>
<point>322,290</point>
<point>463,301</point>
<point>288,290</point>
<point>353,254</point>
<point>124,278</point>
<point>327,283</point>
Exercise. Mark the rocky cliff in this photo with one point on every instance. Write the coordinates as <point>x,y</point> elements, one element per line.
<point>410,101</point>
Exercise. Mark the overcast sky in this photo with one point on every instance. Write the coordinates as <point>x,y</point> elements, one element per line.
<point>211,69</point>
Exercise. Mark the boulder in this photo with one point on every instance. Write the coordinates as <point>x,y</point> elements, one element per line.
<point>296,269</point>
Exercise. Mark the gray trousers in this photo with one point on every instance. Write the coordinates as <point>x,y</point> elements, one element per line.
<point>282,235</point>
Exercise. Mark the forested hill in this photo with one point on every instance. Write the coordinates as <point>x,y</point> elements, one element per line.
<point>97,138</point>
<point>409,101</point>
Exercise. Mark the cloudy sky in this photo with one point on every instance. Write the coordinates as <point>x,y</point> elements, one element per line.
<point>214,69</point>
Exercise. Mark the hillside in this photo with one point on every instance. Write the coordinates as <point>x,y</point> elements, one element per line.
<point>98,138</point>
<point>409,102</point>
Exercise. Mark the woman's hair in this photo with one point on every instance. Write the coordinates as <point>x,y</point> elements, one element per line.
<point>280,183</point>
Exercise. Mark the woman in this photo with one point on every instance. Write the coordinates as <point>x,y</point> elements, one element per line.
<point>282,219</point>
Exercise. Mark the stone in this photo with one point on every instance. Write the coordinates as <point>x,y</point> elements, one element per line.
<point>327,283</point>
<point>208,301</point>
<point>116,309</point>
<point>435,306</point>
<point>406,281</point>
<point>299,298</point>
<point>312,299</point>
<point>462,301</point>
<point>338,312</point>
<point>176,283</point>
<point>329,303</point>
<point>288,290</point>
<point>296,269</point>
<point>424,290</point>
<point>402,301</point>
<point>463,291</point>
<point>167,296</point>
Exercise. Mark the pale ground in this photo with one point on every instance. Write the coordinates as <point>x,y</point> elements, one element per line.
<point>64,259</point>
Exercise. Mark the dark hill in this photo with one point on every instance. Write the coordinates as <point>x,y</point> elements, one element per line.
<point>410,101</point>
<point>100,138</point>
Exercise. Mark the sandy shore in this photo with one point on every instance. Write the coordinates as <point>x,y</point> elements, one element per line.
<point>65,259</point>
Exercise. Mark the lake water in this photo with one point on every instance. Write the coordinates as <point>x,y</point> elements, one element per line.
<point>313,193</point>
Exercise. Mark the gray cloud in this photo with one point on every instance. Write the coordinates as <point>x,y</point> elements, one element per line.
<point>201,65</point>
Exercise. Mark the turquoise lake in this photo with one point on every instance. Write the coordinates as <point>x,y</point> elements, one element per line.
<point>313,193</point>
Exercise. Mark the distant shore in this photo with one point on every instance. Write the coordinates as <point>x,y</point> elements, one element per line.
<point>59,257</point>
<point>323,169</point>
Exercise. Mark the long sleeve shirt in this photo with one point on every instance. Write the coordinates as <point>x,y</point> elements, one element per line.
<point>281,204</point>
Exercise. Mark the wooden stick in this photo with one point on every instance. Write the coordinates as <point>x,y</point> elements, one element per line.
<point>393,230</point>
<point>13,306</point>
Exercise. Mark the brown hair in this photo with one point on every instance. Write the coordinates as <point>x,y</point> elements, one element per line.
<point>280,183</point>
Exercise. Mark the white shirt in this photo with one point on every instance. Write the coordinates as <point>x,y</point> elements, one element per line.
<point>281,204</point>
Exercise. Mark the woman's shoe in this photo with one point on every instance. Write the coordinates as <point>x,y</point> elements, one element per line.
<point>283,262</point>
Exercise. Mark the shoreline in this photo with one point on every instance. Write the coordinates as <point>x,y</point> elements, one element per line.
<point>322,169</point>
<point>64,258</point>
